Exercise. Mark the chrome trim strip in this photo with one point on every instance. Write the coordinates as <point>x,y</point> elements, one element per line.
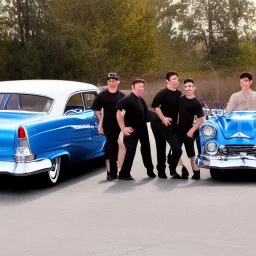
<point>24,168</point>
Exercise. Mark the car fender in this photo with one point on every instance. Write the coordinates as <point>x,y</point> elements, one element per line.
<point>53,154</point>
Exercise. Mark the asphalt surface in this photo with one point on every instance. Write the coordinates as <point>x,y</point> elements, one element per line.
<point>87,215</point>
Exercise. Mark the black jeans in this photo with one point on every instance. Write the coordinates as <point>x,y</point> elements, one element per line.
<point>130,143</point>
<point>188,143</point>
<point>198,145</point>
<point>112,134</point>
<point>162,135</point>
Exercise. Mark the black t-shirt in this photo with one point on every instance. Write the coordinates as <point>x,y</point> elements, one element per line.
<point>188,109</point>
<point>136,111</point>
<point>168,102</point>
<point>108,101</point>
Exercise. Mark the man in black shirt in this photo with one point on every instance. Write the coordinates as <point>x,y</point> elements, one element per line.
<point>189,108</point>
<point>132,117</point>
<point>108,125</point>
<point>165,104</point>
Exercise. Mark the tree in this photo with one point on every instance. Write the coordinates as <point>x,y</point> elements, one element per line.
<point>219,25</point>
<point>109,35</point>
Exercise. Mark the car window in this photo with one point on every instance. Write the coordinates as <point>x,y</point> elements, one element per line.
<point>24,102</point>
<point>89,98</point>
<point>75,104</point>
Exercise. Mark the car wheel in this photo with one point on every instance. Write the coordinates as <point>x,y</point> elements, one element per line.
<point>217,174</point>
<point>54,172</point>
<point>51,177</point>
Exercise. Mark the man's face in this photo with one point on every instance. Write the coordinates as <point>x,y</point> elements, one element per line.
<point>245,83</point>
<point>138,89</point>
<point>113,82</point>
<point>189,89</point>
<point>173,81</point>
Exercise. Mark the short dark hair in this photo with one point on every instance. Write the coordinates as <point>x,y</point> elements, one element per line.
<point>138,80</point>
<point>171,73</point>
<point>188,80</point>
<point>246,75</point>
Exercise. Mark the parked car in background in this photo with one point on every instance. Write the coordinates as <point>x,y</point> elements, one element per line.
<point>45,124</point>
<point>228,142</point>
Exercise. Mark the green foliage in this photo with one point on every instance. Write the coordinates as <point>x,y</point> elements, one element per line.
<point>85,39</point>
<point>248,54</point>
<point>116,35</point>
<point>205,32</point>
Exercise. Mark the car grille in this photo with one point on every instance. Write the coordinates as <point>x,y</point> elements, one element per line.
<point>237,149</point>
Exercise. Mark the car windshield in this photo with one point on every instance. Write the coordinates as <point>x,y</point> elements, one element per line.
<point>24,102</point>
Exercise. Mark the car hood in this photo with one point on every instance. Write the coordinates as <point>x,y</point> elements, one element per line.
<point>9,123</point>
<point>239,124</point>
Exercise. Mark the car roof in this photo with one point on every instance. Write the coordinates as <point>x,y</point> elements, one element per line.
<point>59,90</point>
<point>49,88</point>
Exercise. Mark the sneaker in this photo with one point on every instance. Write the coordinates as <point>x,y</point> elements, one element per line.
<point>111,177</point>
<point>176,176</point>
<point>184,173</point>
<point>196,175</point>
<point>126,178</point>
<point>151,174</point>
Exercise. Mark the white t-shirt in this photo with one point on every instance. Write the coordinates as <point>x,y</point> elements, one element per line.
<point>237,102</point>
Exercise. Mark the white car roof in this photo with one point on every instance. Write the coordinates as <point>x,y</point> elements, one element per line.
<point>59,90</point>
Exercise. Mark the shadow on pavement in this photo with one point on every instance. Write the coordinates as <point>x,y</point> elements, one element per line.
<point>15,190</point>
<point>122,186</point>
<point>233,179</point>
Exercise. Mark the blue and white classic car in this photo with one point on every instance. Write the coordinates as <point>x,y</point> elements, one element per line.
<point>228,142</point>
<point>45,124</point>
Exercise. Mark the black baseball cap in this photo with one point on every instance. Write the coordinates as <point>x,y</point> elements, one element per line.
<point>113,76</point>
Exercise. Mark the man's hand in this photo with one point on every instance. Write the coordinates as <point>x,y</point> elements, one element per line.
<point>190,134</point>
<point>127,131</point>
<point>167,121</point>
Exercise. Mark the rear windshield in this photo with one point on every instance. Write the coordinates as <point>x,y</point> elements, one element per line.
<point>24,102</point>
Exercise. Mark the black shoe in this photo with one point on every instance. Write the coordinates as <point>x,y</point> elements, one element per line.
<point>111,177</point>
<point>162,175</point>
<point>125,178</point>
<point>184,173</point>
<point>196,175</point>
<point>151,174</point>
<point>172,172</point>
<point>176,176</point>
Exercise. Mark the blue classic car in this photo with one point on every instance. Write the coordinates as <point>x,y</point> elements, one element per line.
<point>45,124</point>
<point>228,142</point>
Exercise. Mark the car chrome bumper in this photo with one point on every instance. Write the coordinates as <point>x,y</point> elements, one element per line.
<point>236,162</point>
<point>22,169</point>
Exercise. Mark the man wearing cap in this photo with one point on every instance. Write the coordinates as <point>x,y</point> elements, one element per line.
<point>246,98</point>
<point>108,125</point>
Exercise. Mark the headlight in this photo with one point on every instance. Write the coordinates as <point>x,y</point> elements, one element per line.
<point>208,131</point>
<point>211,148</point>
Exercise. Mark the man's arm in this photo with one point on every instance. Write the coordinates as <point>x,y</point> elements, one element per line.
<point>231,106</point>
<point>100,120</point>
<point>120,119</point>
<point>196,126</point>
<point>166,120</point>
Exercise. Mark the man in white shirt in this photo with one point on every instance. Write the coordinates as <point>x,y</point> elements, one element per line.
<point>246,98</point>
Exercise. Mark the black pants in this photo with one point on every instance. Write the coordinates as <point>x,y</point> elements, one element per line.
<point>188,143</point>
<point>130,143</point>
<point>162,135</point>
<point>112,133</point>
<point>198,145</point>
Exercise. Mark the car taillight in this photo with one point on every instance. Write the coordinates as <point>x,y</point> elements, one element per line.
<point>21,133</point>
